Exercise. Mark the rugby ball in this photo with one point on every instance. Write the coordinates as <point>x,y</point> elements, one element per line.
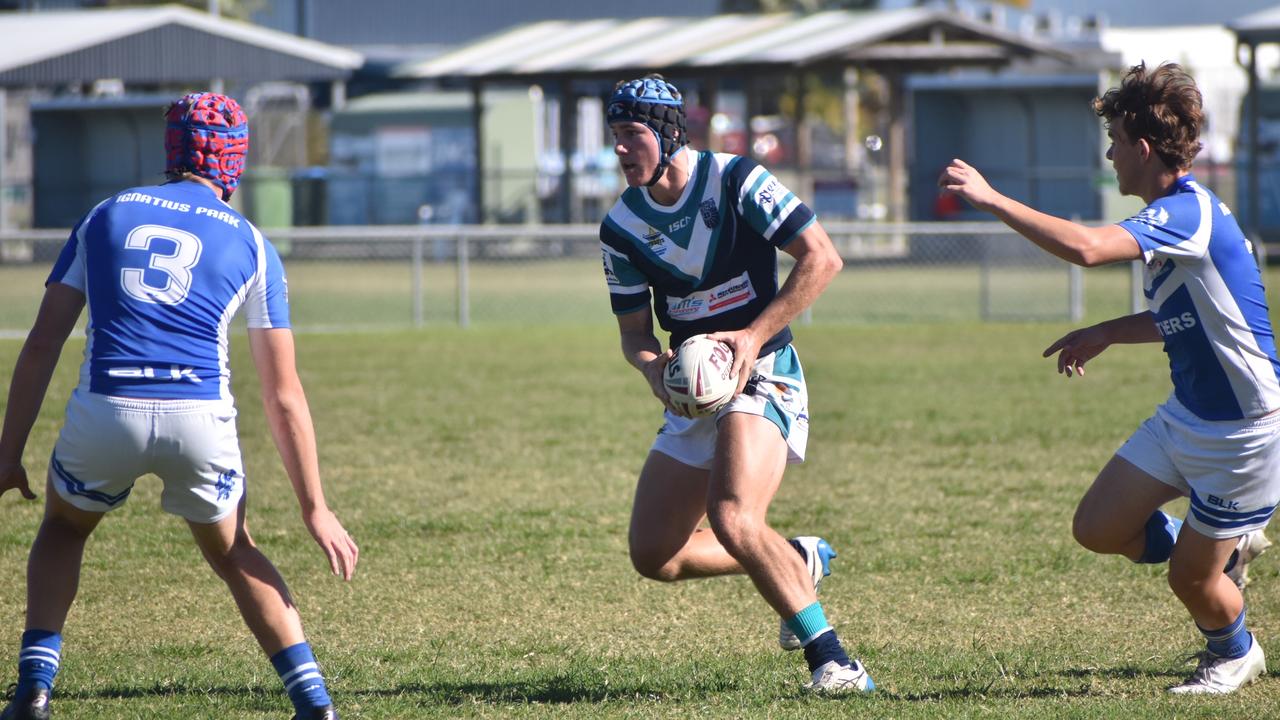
<point>697,377</point>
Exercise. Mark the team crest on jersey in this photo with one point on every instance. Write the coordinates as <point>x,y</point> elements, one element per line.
<point>1154,216</point>
<point>710,214</point>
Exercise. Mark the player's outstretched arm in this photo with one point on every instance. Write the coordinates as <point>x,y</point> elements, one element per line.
<point>641,348</point>
<point>36,362</point>
<point>289,416</point>
<point>817,263</point>
<point>1077,244</point>
<point>1080,346</point>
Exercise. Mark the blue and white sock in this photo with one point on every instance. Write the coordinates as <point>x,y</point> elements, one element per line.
<point>817,637</point>
<point>1162,533</point>
<point>301,676</point>
<point>1232,641</point>
<point>38,660</point>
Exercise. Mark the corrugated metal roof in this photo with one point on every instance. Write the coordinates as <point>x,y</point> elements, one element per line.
<point>135,44</point>
<point>562,47</point>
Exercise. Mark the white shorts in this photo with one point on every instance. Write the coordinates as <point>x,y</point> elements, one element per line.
<point>1229,469</point>
<point>109,442</point>
<point>776,392</point>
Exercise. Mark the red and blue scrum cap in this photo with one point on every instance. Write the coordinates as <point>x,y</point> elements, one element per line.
<point>207,134</point>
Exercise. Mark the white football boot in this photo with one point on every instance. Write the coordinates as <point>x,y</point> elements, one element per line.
<point>1248,548</point>
<point>834,678</point>
<point>1219,676</point>
<point>817,558</point>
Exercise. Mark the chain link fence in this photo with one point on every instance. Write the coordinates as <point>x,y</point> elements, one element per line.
<point>384,277</point>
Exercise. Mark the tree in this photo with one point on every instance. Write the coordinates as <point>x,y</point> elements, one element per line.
<point>238,9</point>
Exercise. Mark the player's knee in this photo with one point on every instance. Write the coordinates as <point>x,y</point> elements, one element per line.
<point>1190,582</point>
<point>64,528</point>
<point>737,531</point>
<point>1090,534</point>
<point>652,564</point>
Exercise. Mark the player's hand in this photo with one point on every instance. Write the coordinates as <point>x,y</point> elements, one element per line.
<point>13,475</point>
<point>653,372</point>
<point>746,348</point>
<point>337,544</point>
<point>964,180</point>
<point>1077,348</point>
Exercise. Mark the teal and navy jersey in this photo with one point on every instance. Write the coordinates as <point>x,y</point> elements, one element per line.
<point>1203,285</point>
<point>163,270</point>
<point>709,262</point>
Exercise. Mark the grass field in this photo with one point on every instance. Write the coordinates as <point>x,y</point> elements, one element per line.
<point>487,474</point>
<point>366,294</point>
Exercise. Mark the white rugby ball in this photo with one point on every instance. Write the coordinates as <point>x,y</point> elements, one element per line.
<point>697,377</point>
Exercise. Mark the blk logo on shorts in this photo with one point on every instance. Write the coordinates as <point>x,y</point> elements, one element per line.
<point>1223,503</point>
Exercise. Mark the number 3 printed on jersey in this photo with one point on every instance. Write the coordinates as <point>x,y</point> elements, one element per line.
<point>175,265</point>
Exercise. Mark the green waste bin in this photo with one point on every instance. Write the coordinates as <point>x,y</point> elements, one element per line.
<point>269,201</point>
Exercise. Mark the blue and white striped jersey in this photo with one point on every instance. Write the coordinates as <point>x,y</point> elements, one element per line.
<point>1203,285</point>
<point>163,270</point>
<point>710,260</point>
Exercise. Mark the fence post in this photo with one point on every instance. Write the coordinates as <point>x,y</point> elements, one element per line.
<point>1075,291</point>
<point>416,280</point>
<point>984,276</point>
<point>1137,301</point>
<point>464,281</point>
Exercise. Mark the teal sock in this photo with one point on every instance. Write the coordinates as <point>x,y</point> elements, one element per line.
<point>809,623</point>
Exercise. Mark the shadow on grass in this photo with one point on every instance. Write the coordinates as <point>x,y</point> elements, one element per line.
<point>569,689</point>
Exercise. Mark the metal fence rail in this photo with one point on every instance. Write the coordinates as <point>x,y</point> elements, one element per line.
<point>360,277</point>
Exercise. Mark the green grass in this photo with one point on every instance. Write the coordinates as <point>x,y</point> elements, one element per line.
<point>377,294</point>
<point>487,475</point>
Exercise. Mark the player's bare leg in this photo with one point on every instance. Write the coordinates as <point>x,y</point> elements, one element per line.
<point>665,541</point>
<point>1112,516</point>
<point>53,577</point>
<point>749,462</point>
<point>259,590</point>
<point>1233,657</point>
<point>53,568</point>
<point>750,459</point>
<point>267,608</point>
<point>1196,577</point>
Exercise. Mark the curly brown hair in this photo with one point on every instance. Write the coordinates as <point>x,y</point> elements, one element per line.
<point>1162,106</point>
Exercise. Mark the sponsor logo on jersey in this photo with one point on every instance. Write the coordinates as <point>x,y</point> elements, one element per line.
<point>767,197</point>
<point>174,373</point>
<point>722,298</point>
<point>678,225</point>
<point>710,214</point>
<point>610,276</point>
<point>1176,324</point>
<point>1154,216</point>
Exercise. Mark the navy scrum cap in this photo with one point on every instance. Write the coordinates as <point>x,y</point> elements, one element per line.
<point>657,104</point>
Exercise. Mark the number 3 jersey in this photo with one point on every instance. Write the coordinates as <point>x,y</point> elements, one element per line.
<point>710,260</point>
<point>163,270</point>
<point>1205,290</point>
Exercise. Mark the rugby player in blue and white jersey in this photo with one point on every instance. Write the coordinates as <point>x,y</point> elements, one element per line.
<point>163,270</point>
<point>694,238</point>
<point>1217,438</point>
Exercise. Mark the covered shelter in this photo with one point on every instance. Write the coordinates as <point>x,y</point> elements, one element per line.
<point>579,58</point>
<point>111,63</point>
<point>1253,31</point>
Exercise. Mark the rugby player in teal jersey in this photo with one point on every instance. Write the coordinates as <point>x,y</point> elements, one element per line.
<point>694,240</point>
